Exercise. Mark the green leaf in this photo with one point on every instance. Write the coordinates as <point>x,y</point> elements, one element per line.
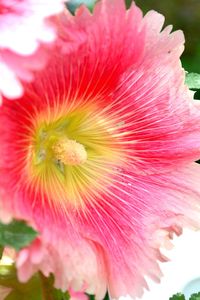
<point>195,296</point>
<point>193,81</point>
<point>182,297</point>
<point>1,251</point>
<point>49,292</point>
<point>177,297</point>
<point>17,234</point>
<point>92,297</point>
<point>14,295</point>
<point>32,290</point>
<point>38,287</point>
<point>59,295</point>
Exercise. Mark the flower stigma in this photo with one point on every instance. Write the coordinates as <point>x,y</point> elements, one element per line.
<point>69,152</point>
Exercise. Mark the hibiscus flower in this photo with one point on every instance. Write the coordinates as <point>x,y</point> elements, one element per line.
<point>98,155</point>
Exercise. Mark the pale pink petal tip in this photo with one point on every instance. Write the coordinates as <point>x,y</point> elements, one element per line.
<point>25,28</point>
<point>78,273</point>
<point>77,295</point>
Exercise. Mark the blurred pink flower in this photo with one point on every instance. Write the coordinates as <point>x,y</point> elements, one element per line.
<point>98,153</point>
<point>24,28</point>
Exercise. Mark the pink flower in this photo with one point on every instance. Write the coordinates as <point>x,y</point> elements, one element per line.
<point>23,29</point>
<point>98,154</point>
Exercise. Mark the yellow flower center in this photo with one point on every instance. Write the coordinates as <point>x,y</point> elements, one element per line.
<point>72,155</point>
<point>69,152</point>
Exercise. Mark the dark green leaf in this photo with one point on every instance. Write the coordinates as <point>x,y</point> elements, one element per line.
<point>193,81</point>
<point>106,297</point>
<point>14,295</point>
<point>38,287</point>
<point>59,295</point>
<point>92,297</point>
<point>32,290</point>
<point>16,234</point>
<point>49,292</point>
<point>177,297</point>
<point>1,251</point>
<point>195,296</point>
